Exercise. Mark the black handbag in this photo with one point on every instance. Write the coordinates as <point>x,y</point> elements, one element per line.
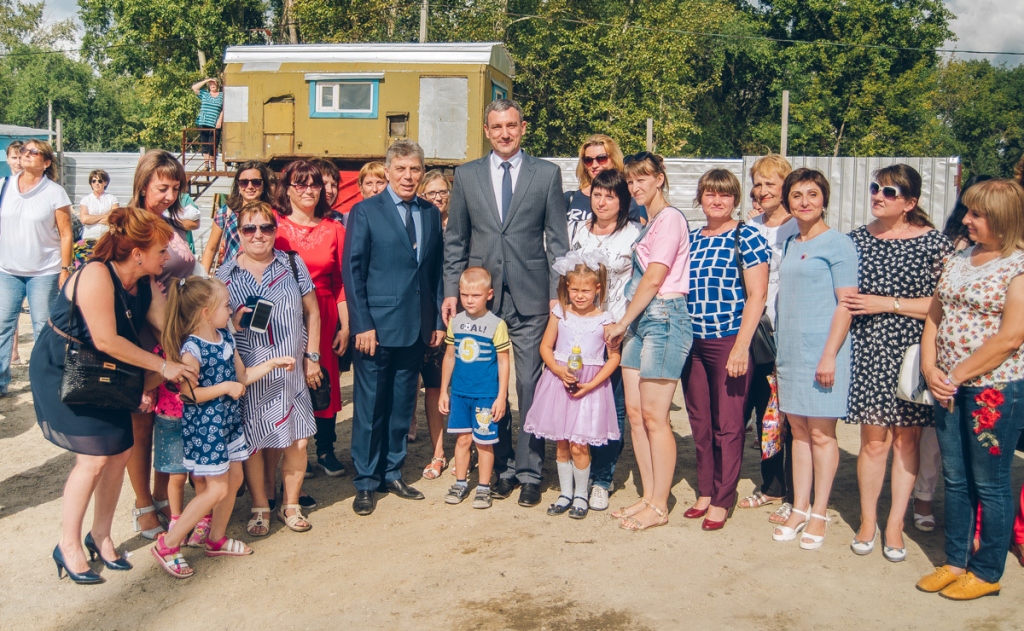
<point>320,396</point>
<point>94,378</point>
<point>762,345</point>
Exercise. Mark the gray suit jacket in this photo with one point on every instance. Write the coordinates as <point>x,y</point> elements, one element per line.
<point>518,251</point>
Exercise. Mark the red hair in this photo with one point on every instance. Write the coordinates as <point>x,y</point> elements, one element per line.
<point>131,228</point>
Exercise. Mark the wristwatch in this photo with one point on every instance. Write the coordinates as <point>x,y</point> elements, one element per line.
<point>896,306</point>
<point>315,357</point>
<point>70,269</point>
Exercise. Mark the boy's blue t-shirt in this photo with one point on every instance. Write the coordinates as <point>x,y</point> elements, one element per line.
<point>477,343</point>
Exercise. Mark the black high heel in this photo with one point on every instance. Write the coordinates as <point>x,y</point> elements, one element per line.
<point>87,577</point>
<point>119,563</point>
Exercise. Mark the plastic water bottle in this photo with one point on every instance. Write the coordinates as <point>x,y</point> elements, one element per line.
<point>573,364</point>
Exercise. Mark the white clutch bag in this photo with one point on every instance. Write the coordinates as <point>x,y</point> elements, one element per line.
<point>912,386</point>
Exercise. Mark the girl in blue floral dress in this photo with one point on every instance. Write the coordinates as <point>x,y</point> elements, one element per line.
<point>196,334</point>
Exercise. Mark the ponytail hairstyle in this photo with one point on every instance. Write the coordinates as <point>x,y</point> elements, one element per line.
<point>131,228</point>
<point>159,163</point>
<point>580,271</point>
<point>186,299</point>
<point>646,163</point>
<point>909,182</point>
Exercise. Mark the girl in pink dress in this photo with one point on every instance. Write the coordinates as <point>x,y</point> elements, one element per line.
<point>576,408</point>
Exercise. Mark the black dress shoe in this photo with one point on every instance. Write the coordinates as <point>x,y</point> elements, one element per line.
<point>503,488</point>
<point>403,490</point>
<point>529,495</point>
<point>364,503</point>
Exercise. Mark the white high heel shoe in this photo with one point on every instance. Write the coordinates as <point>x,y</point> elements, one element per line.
<point>864,547</point>
<point>152,532</point>
<point>785,533</point>
<point>816,541</point>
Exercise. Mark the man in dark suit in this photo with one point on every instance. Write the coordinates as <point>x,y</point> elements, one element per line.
<point>507,215</point>
<point>392,274</point>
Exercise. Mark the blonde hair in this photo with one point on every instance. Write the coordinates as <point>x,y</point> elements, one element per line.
<point>259,208</point>
<point>1001,203</point>
<point>646,163</point>
<point>375,169</point>
<point>600,277</point>
<point>430,176</point>
<point>610,146</point>
<point>475,277</point>
<point>771,164</point>
<point>721,181</point>
<point>46,153</point>
<point>186,299</point>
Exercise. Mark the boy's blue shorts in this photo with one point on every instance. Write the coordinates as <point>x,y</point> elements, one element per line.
<point>473,415</point>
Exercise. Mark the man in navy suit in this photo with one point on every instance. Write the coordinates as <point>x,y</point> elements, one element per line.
<point>394,251</point>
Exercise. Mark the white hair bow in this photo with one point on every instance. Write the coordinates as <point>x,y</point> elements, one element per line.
<point>593,259</point>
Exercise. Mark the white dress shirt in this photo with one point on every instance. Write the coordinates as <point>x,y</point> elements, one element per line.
<point>497,173</point>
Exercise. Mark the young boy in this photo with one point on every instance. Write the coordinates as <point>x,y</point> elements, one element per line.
<point>477,357</point>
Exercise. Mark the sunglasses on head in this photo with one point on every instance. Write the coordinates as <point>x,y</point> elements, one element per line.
<point>601,159</point>
<point>30,151</point>
<point>255,183</point>
<point>888,192</point>
<point>638,157</point>
<point>250,229</point>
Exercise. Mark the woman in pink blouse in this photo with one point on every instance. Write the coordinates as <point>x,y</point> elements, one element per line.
<point>972,359</point>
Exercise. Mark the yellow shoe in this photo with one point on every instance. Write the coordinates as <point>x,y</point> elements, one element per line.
<point>969,587</point>
<point>938,580</point>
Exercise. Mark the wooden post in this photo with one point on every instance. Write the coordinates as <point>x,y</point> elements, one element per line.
<point>424,12</point>
<point>784,144</point>
<point>650,134</point>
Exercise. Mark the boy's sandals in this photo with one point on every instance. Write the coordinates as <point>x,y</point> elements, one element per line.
<point>227,548</point>
<point>170,559</point>
<point>781,514</point>
<point>258,526</point>
<point>757,500</point>
<point>296,521</point>
<point>433,470</point>
<point>625,511</point>
<point>635,525</point>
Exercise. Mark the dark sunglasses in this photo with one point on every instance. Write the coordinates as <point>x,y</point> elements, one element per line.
<point>30,151</point>
<point>639,157</point>
<point>97,181</point>
<point>888,192</point>
<point>255,183</point>
<point>601,159</point>
<point>250,229</point>
<point>174,388</point>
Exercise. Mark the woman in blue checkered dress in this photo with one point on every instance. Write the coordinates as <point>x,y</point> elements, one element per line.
<point>728,285</point>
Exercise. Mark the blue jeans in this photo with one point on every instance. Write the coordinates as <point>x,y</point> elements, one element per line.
<point>604,457</point>
<point>41,292</point>
<point>973,475</point>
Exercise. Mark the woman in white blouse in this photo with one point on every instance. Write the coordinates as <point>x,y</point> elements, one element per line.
<point>609,230</point>
<point>96,206</point>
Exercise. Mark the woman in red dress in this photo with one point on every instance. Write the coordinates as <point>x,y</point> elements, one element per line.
<point>305,226</point>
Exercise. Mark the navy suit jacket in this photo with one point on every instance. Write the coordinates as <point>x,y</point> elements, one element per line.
<point>386,289</point>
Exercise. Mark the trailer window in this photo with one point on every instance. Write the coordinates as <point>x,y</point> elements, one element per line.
<point>343,99</point>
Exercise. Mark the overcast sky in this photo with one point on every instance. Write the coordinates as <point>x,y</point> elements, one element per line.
<point>980,25</point>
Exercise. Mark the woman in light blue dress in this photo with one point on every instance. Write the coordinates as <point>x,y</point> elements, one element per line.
<point>819,268</point>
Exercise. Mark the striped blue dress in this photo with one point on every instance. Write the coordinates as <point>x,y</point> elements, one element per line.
<point>277,410</point>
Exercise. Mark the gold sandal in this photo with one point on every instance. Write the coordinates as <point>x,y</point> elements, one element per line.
<point>293,520</point>
<point>622,514</point>
<point>633,524</point>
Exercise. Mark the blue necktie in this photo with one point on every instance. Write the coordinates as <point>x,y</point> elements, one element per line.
<point>506,189</point>
<point>410,227</point>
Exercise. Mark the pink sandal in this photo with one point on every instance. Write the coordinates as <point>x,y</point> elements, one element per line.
<point>199,534</point>
<point>176,565</point>
<point>227,548</point>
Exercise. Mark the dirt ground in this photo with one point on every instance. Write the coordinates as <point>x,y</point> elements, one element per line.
<point>426,564</point>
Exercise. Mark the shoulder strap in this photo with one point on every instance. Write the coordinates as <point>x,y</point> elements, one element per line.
<point>739,258</point>
<point>295,268</point>
<point>3,189</point>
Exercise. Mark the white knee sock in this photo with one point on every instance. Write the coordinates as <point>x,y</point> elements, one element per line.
<point>582,478</point>
<point>565,478</point>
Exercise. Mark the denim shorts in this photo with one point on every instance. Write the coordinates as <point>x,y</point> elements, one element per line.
<point>168,445</point>
<point>658,343</point>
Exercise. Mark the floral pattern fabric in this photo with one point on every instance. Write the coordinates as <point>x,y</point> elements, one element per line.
<point>972,300</point>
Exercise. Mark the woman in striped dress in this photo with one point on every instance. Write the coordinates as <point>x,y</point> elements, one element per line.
<point>277,411</point>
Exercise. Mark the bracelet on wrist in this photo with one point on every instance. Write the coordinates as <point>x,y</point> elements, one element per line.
<point>163,368</point>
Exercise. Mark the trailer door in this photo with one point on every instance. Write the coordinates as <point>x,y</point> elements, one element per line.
<point>278,127</point>
<point>444,117</point>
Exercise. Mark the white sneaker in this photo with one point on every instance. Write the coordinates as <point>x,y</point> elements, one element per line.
<point>598,498</point>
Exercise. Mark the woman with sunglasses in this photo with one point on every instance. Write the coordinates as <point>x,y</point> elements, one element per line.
<point>95,207</point>
<point>436,189</point>
<point>277,412</point>
<point>36,246</point>
<point>598,153</point>
<point>253,182</point>
<point>305,226</point>
<point>900,258</point>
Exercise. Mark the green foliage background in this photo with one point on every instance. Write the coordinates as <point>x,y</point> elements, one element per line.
<point>709,72</point>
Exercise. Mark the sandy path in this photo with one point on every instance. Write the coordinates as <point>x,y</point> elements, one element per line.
<point>420,564</point>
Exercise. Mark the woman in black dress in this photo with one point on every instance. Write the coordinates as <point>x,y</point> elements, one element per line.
<point>123,260</point>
